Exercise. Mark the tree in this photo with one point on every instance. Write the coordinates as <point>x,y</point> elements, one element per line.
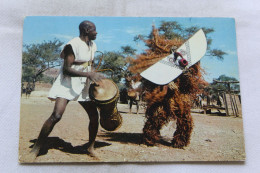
<point>115,64</point>
<point>172,29</point>
<point>224,78</point>
<point>214,88</point>
<point>128,50</point>
<point>37,58</point>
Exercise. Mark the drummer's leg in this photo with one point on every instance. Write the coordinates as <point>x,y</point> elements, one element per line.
<point>137,107</point>
<point>91,109</point>
<point>47,127</point>
<point>130,104</point>
<point>137,102</point>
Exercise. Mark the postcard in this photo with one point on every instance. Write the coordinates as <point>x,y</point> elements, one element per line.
<point>130,89</point>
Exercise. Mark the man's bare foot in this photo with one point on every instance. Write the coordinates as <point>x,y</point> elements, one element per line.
<point>91,152</point>
<point>35,151</point>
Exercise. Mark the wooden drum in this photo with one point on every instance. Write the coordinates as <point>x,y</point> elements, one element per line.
<point>106,94</point>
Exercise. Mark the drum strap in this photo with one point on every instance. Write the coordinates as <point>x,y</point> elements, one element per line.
<point>88,63</point>
<point>84,64</point>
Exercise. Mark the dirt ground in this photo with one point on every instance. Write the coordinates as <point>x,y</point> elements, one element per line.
<point>214,138</point>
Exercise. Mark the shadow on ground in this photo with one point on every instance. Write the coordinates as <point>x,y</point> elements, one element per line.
<point>133,138</point>
<point>60,144</point>
<point>124,138</point>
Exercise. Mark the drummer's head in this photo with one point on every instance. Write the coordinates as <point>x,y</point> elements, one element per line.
<point>88,29</point>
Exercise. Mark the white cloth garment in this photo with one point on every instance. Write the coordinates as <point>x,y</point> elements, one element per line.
<point>75,88</point>
<point>135,85</point>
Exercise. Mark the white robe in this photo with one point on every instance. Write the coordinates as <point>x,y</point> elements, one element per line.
<point>74,88</point>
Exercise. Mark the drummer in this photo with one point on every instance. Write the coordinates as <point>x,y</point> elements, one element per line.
<point>72,84</point>
<point>135,88</point>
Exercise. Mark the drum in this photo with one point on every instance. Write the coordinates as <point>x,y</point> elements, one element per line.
<point>106,94</point>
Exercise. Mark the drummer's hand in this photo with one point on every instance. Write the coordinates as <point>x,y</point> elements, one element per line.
<point>95,77</point>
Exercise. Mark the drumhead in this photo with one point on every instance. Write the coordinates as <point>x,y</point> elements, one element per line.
<point>105,90</point>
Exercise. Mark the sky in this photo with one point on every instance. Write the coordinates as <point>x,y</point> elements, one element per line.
<point>115,32</point>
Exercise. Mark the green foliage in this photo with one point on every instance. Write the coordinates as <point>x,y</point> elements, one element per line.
<point>139,37</point>
<point>217,53</point>
<point>47,79</point>
<point>37,58</point>
<point>171,29</point>
<point>116,63</point>
<point>27,73</point>
<point>215,88</point>
<point>226,78</point>
<point>128,50</point>
<point>207,30</point>
<point>191,30</point>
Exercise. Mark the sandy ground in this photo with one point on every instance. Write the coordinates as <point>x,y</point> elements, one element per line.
<point>214,138</point>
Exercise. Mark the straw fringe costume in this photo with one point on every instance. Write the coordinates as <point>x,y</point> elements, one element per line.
<point>167,102</point>
<point>75,88</point>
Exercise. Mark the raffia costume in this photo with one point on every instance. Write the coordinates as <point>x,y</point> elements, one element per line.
<point>167,102</point>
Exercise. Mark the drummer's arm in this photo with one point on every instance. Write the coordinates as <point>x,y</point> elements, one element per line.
<point>69,58</point>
